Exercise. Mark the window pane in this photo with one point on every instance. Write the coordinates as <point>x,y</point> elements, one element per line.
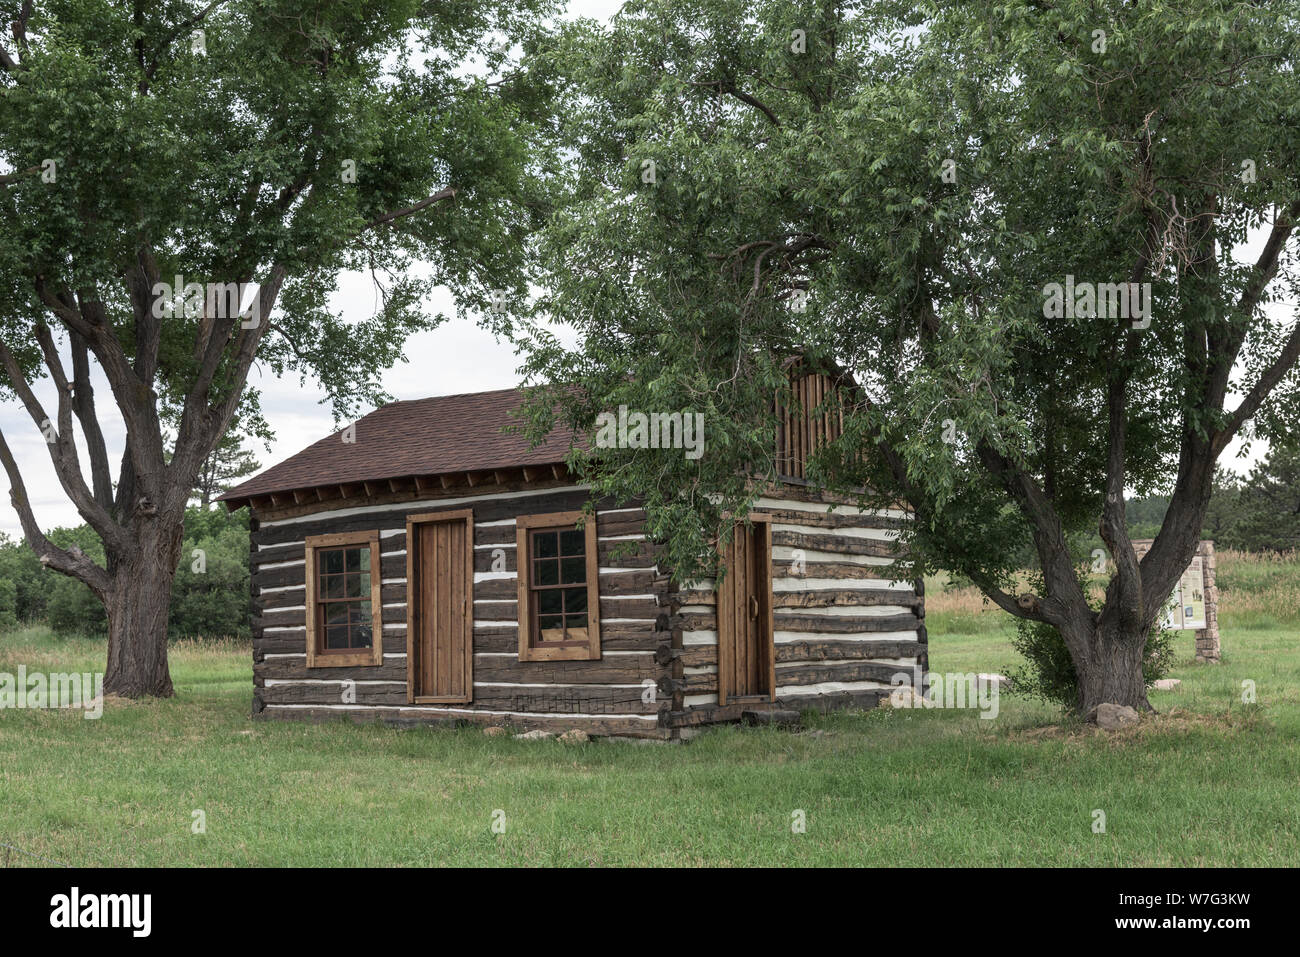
<point>544,544</point>
<point>359,612</point>
<point>364,561</point>
<point>331,586</point>
<point>353,559</point>
<point>336,613</point>
<point>336,636</point>
<point>573,570</point>
<point>546,572</point>
<point>355,585</point>
<point>331,561</point>
<point>571,543</point>
<point>551,627</point>
<point>361,634</point>
<point>548,602</point>
<point>575,599</point>
<point>574,624</point>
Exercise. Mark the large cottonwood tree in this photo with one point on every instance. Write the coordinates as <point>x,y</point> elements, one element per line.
<point>265,143</point>
<point>892,188</point>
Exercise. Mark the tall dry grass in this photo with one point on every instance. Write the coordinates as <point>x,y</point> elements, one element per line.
<point>1256,590</point>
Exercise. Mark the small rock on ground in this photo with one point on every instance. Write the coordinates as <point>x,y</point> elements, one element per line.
<point>495,731</point>
<point>575,736</point>
<point>904,696</point>
<point>1167,684</point>
<point>535,736</point>
<point>1111,716</point>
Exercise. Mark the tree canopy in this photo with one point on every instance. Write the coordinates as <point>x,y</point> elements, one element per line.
<point>184,182</point>
<point>901,192</point>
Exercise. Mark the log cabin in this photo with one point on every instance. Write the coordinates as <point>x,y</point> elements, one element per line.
<point>386,585</point>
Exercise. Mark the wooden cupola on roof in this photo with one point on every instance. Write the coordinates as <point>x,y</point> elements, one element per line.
<point>813,418</point>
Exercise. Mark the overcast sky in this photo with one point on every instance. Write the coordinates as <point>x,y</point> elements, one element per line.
<point>457,357</point>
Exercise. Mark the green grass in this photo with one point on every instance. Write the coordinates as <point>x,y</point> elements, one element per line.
<point>1209,781</point>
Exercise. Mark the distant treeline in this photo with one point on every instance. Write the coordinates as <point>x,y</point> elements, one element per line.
<point>1258,513</point>
<point>209,595</point>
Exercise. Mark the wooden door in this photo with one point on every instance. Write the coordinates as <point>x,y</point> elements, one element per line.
<point>746,652</point>
<point>440,607</point>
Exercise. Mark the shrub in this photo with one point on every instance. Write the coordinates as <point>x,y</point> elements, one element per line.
<point>213,602</point>
<point>8,605</point>
<point>20,567</point>
<point>71,607</point>
<point>1049,673</point>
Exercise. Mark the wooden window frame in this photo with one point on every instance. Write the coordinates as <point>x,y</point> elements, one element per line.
<point>374,655</point>
<point>414,609</point>
<point>560,521</point>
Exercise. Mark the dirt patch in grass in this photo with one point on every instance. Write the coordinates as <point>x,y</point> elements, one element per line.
<point>1173,721</point>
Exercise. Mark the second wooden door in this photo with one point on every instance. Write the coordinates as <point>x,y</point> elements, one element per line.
<point>746,650</point>
<point>440,607</point>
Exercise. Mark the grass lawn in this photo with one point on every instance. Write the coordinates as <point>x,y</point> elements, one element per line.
<point>1209,781</point>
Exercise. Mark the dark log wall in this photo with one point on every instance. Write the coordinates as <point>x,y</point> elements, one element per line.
<point>845,625</point>
<point>603,697</point>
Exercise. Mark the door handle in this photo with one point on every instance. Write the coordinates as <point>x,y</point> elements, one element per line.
<point>753,607</point>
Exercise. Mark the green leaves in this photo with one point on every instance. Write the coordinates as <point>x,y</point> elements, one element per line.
<point>226,162</point>
<point>1073,155</point>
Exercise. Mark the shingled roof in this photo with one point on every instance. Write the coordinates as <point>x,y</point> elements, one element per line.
<point>443,435</point>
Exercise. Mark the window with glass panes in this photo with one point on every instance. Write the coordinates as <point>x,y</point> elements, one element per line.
<point>343,598</point>
<point>343,583</point>
<point>558,600</point>
<point>558,567</point>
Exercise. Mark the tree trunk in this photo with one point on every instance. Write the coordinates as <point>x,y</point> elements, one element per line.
<point>137,616</point>
<point>1113,670</point>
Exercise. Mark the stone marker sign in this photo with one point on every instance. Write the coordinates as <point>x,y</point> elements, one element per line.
<point>1194,604</point>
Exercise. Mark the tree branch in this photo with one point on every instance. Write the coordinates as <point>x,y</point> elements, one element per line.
<point>180,29</point>
<point>72,562</point>
<point>63,451</point>
<point>752,101</point>
<point>83,399</point>
<point>1124,592</point>
<point>1224,351</point>
<point>728,86</point>
<point>1065,600</point>
<point>437,197</point>
<point>1047,611</point>
<point>202,423</point>
<point>1267,381</point>
<point>15,176</point>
